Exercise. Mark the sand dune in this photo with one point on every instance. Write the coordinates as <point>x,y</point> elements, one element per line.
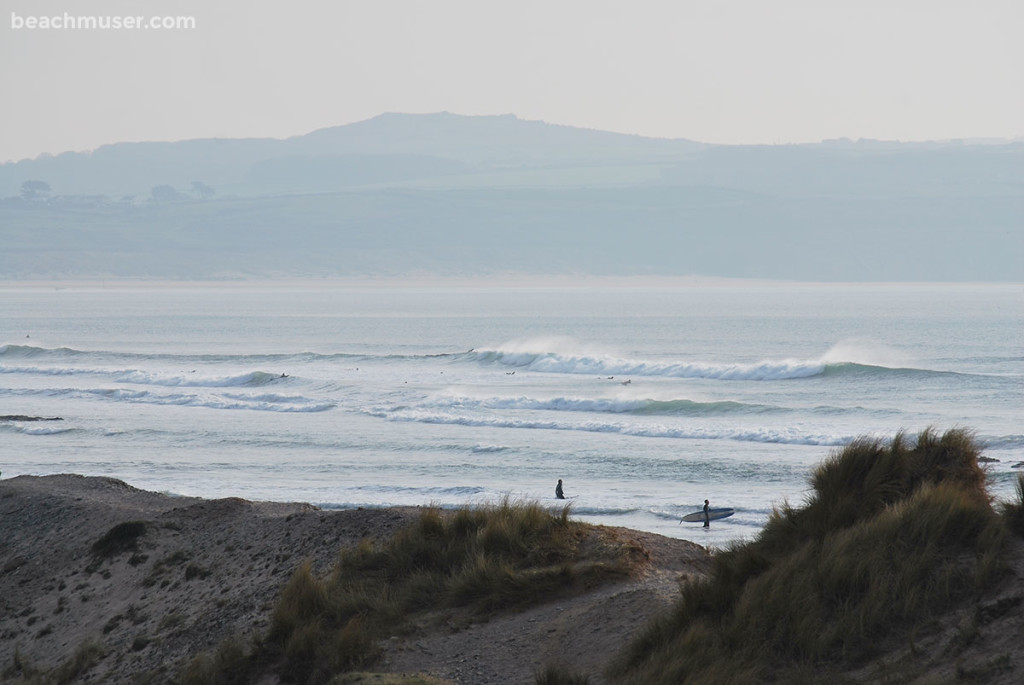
<point>189,573</point>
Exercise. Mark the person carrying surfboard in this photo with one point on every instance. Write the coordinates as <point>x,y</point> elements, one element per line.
<point>706,515</point>
<point>558,490</point>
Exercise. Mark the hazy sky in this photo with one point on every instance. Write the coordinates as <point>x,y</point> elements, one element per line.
<point>726,71</point>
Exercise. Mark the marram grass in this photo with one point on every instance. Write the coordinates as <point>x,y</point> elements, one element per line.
<point>482,560</point>
<point>891,535</point>
<point>1013,512</point>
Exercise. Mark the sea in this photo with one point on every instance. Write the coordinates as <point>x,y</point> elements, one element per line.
<point>644,396</point>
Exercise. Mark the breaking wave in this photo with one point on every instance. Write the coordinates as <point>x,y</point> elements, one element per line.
<point>607,366</point>
<point>33,428</point>
<point>612,367</point>
<point>137,377</point>
<point>9,352</point>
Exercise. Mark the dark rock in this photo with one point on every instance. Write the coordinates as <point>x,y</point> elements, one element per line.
<point>19,417</point>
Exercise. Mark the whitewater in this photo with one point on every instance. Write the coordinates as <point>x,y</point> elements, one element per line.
<point>645,398</point>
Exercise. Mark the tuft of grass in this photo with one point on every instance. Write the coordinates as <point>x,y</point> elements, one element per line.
<point>483,560</point>
<point>20,667</point>
<point>890,535</point>
<point>230,664</point>
<point>87,655</point>
<point>123,537</point>
<point>193,571</point>
<point>1013,512</point>
<point>553,674</point>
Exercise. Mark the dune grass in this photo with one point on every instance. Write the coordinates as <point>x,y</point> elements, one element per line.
<point>21,672</point>
<point>892,534</point>
<point>121,538</point>
<point>1013,512</point>
<point>481,561</point>
<point>553,674</point>
<point>232,663</point>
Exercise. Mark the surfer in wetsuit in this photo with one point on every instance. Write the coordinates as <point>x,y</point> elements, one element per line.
<point>558,490</point>
<point>707,515</point>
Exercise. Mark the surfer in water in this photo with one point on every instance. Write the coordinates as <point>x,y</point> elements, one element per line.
<point>707,515</point>
<point>558,490</point>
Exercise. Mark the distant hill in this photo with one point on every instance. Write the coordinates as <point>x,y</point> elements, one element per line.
<point>390,147</point>
<point>450,194</point>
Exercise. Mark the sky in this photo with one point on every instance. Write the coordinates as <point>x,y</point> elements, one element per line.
<point>721,71</point>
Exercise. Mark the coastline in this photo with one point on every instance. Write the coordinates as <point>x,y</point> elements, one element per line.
<point>196,572</point>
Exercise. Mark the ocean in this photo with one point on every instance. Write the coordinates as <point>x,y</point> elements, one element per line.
<point>645,397</point>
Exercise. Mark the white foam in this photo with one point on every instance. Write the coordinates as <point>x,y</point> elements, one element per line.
<point>868,353</point>
<point>263,402</point>
<point>530,403</point>
<point>789,436</point>
<point>611,366</point>
<point>137,377</point>
<point>37,429</point>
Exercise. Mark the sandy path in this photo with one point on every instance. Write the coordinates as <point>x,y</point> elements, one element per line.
<point>582,633</point>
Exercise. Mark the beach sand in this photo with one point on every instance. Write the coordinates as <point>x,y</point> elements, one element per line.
<point>205,570</point>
